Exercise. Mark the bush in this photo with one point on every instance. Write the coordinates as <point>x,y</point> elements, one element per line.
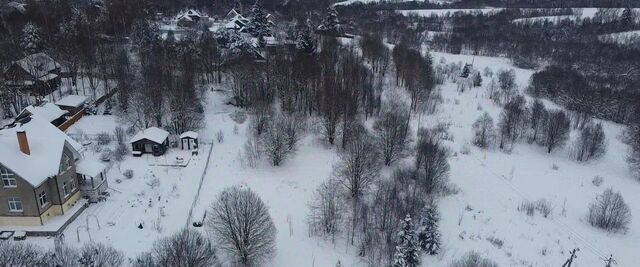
<point>121,136</point>
<point>128,173</point>
<point>473,259</point>
<point>542,206</point>
<point>103,138</point>
<point>220,136</point>
<point>121,151</point>
<point>239,116</point>
<point>597,181</point>
<point>609,212</point>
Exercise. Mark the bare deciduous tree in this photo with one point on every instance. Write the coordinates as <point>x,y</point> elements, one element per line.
<point>326,210</point>
<point>557,131</point>
<point>431,163</point>
<point>538,117</point>
<point>392,131</point>
<point>241,225</point>
<point>591,143</point>
<point>512,121</point>
<point>186,248</point>
<point>98,254</point>
<point>483,132</point>
<point>609,212</point>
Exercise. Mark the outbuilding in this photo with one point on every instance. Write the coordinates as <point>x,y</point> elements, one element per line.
<point>150,141</point>
<point>189,140</point>
<point>72,103</point>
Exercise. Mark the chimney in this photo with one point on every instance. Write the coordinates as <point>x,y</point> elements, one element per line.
<point>23,142</point>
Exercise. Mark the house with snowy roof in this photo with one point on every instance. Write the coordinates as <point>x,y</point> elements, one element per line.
<point>190,18</point>
<point>47,111</point>
<point>37,74</point>
<point>40,167</point>
<point>152,140</point>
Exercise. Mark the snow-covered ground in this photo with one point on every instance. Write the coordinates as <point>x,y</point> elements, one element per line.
<point>492,184</point>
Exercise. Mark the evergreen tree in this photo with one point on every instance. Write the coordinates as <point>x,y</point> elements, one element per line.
<point>477,80</point>
<point>331,22</point>
<point>258,24</point>
<point>30,39</point>
<point>305,42</point>
<point>428,234</point>
<point>407,248</point>
<point>627,19</point>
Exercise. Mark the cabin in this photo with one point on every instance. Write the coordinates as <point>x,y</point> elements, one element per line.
<point>190,18</point>
<point>72,104</point>
<point>37,74</point>
<point>189,140</point>
<point>152,140</point>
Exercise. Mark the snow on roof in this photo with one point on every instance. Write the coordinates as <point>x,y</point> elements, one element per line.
<point>89,167</point>
<point>153,134</point>
<point>39,65</point>
<point>189,134</point>
<point>72,101</point>
<point>46,143</point>
<point>48,111</point>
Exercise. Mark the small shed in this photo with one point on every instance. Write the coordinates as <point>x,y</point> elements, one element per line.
<point>72,103</point>
<point>189,140</point>
<point>150,141</point>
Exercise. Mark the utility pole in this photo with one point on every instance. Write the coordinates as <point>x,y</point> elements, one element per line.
<point>610,261</point>
<point>572,256</point>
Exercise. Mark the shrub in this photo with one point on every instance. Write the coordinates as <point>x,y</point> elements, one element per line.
<point>542,206</point>
<point>128,173</point>
<point>220,136</point>
<point>496,242</point>
<point>103,138</point>
<point>609,212</point>
<point>597,181</point>
<point>473,259</point>
<point>121,151</point>
<point>239,116</point>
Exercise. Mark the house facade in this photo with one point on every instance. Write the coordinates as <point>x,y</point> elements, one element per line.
<point>38,169</point>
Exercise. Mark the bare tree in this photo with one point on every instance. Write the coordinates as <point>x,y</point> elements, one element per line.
<point>326,210</point>
<point>512,121</point>
<point>98,254</point>
<point>241,225</point>
<point>392,131</point>
<point>609,212</point>
<point>19,254</point>
<point>431,163</point>
<point>557,131</point>
<point>537,120</point>
<point>591,143</point>
<point>483,131</point>
<point>473,259</point>
<point>282,136</point>
<point>507,82</point>
<point>186,248</point>
<point>357,170</point>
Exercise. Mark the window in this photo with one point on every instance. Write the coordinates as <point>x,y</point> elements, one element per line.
<point>66,163</point>
<point>15,204</point>
<point>8,179</point>
<point>65,189</point>
<point>42,198</point>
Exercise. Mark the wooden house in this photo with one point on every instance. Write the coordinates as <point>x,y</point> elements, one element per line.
<point>150,141</point>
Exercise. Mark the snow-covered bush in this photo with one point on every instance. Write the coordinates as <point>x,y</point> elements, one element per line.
<point>591,143</point>
<point>121,151</point>
<point>610,212</point>
<point>238,116</point>
<point>483,131</point>
<point>597,180</point>
<point>496,242</point>
<point>542,206</point>
<point>103,138</point>
<point>184,248</point>
<point>120,135</point>
<point>251,151</point>
<point>128,173</point>
<point>473,259</point>
<point>527,207</point>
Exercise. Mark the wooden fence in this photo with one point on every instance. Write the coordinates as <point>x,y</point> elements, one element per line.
<point>73,119</point>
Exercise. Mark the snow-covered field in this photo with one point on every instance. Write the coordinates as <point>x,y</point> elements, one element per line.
<point>492,184</point>
<point>441,12</point>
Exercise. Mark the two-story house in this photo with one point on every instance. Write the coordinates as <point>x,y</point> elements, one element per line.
<point>38,169</point>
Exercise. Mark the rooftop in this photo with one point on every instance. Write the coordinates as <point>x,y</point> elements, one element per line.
<point>72,101</point>
<point>154,134</point>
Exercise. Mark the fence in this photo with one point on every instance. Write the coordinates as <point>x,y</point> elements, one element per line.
<point>73,119</point>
